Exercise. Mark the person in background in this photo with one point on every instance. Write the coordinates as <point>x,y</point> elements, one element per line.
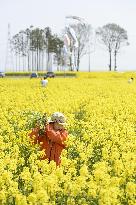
<point>130,80</point>
<point>53,140</point>
<point>44,82</point>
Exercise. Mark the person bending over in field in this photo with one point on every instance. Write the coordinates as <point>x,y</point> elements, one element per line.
<point>52,140</point>
<point>130,80</point>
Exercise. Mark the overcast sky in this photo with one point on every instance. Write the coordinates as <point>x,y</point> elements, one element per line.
<point>41,13</point>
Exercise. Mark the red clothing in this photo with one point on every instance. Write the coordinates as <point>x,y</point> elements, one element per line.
<point>52,142</point>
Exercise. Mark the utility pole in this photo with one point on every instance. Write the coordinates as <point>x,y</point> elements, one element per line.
<point>89,56</point>
<point>9,65</point>
<point>91,45</point>
<point>47,49</point>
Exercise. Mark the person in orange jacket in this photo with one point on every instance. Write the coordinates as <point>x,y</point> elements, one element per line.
<point>52,141</point>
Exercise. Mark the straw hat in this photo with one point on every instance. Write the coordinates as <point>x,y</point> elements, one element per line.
<point>58,117</point>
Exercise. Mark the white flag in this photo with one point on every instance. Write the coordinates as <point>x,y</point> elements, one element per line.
<point>66,40</point>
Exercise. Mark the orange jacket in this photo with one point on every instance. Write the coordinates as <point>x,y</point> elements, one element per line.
<point>52,142</point>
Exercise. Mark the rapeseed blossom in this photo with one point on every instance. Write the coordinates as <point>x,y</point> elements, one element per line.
<point>98,165</point>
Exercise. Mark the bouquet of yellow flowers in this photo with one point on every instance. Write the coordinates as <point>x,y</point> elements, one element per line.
<point>36,119</point>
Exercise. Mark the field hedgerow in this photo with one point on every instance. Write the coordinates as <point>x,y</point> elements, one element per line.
<point>98,166</point>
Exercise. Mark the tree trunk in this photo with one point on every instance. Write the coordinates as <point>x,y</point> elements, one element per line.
<point>47,53</point>
<point>70,64</point>
<point>28,65</point>
<point>32,60</point>
<point>16,64</point>
<point>78,61</point>
<point>37,60</point>
<point>115,61</point>
<point>58,67</point>
<point>48,59</point>
<point>110,61</point>
<point>35,64</point>
<point>23,59</point>
<point>42,63</point>
<point>19,62</point>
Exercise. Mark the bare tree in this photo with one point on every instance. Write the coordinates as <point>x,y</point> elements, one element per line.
<point>113,37</point>
<point>17,46</point>
<point>105,36</point>
<point>120,39</point>
<point>83,33</point>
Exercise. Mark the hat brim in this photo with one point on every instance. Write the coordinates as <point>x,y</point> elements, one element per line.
<point>60,123</point>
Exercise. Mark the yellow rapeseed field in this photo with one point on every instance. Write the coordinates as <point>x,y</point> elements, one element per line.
<point>99,164</point>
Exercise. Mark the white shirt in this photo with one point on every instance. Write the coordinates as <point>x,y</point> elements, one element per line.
<point>44,82</point>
